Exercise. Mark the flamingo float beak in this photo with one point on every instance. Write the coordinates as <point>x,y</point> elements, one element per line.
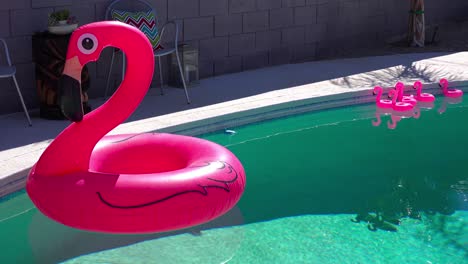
<point>70,90</point>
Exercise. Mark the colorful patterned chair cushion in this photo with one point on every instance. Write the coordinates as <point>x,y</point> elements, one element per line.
<point>145,21</point>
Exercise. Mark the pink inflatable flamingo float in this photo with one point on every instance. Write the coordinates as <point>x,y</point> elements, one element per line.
<point>384,106</point>
<point>400,106</point>
<point>400,87</point>
<point>134,183</point>
<point>400,110</point>
<point>379,102</point>
<point>422,97</point>
<point>452,93</point>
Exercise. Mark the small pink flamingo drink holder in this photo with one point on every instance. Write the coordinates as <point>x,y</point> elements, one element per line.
<point>406,106</point>
<point>133,183</point>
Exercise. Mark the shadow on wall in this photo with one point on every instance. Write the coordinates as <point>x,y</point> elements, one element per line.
<point>52,242</point>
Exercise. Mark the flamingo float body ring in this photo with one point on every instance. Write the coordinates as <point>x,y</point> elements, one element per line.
<point>400,106</point>
<point>404,98</point>
<point>138,183</point>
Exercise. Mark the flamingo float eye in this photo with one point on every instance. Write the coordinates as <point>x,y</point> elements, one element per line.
<point>87,43</point>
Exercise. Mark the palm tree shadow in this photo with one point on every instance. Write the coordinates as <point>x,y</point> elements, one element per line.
<point>411,70</point>
<point>450,229</point>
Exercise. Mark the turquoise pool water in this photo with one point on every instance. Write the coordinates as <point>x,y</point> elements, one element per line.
<point>322,187</point>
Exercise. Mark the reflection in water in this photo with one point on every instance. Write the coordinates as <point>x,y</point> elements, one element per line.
<point>392,123</point>
<point>378,112</point>
<point>414,194</point>
<point>425,105</point>
<point>449,101</point>
<point>395,116</point>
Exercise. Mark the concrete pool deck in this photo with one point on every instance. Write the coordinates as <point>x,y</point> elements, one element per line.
<point>235,99</point>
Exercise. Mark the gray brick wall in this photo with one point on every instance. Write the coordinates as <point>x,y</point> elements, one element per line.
<point>212,8</point>
<point>228,24</point>
<point>49,3</point>
<point>231,35</point>
<point>4,23</point>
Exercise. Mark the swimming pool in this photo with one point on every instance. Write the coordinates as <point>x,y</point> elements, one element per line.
<point>322,187</point>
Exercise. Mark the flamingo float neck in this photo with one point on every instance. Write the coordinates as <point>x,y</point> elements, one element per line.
<point>378,92</point>
<point>418,86</point>
<point>83,136</point>
<point>399,87</point>
<point>393,95</point>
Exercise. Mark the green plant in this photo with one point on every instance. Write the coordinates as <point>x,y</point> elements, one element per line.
<point>59,15</point>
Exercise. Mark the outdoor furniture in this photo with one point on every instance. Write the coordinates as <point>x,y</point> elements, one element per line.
<point>142,15</point>
<point>189,60</point>
<point>10,71</point>
<point>49,52</point>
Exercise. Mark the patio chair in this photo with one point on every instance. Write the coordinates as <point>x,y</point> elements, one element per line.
<point>9,70</point>
<point>142,15</point>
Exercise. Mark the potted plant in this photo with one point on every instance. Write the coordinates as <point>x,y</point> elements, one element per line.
<point>59,17</point>
<point>61,22</point>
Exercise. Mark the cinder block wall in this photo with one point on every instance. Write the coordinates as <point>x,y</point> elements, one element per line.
<point>231,35</point>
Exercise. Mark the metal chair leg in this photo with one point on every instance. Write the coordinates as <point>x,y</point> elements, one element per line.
<point>182,77</point>
<point>22,100</point>
<point>109,74</point>
<point>161,75</point>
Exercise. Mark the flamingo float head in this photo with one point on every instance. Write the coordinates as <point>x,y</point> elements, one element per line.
<point>376,90</point>
<point>399,85</point>
<point>417,85</point>
<point>443,83</point>
<point>88,48</point>
<point>86,45</point>
<point>392,94</point>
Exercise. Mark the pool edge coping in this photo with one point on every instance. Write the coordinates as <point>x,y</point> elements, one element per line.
<point>16,181</point>
<point>273,111</point>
